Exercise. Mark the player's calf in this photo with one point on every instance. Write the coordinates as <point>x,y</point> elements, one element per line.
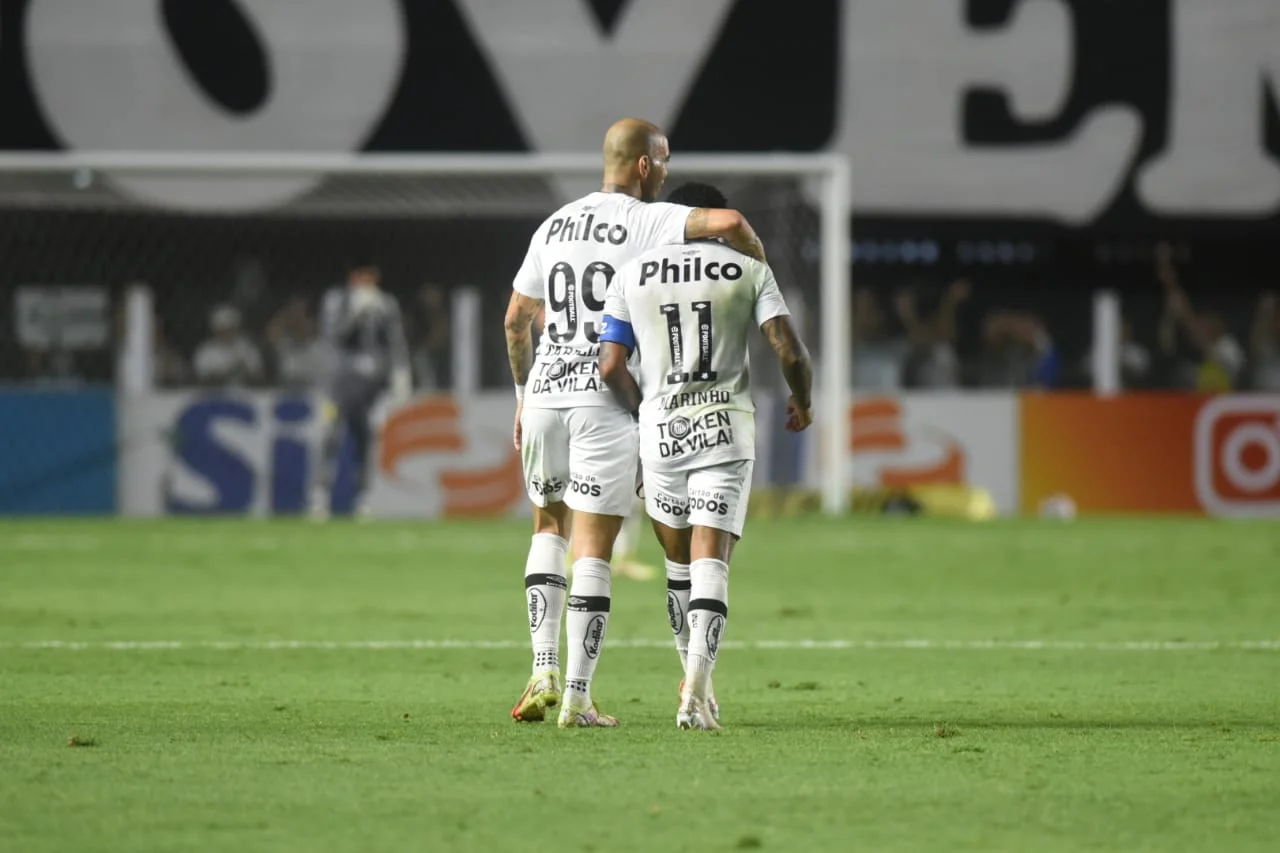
<point>590,598</point>
<point>545,588</point>
<point>708,615</point>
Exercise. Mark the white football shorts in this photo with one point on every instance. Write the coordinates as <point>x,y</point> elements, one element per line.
<point>706,497</point>
<point>584,456</point>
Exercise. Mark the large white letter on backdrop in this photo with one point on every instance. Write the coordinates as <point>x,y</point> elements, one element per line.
<point>566,81</point>
<point>1224,55</point>
<point>109,78</point>
<point>907,66</point>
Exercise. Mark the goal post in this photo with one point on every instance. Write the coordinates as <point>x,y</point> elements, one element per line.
<point>799,203</point>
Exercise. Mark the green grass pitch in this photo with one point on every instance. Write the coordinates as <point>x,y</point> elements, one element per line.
<point>1128,702</point>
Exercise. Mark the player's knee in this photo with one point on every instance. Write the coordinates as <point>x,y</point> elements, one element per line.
<point>552,518</point>
<point>678,554</point>
<point>675,543</point>
<point>594,535</point>
<point>710,543</point>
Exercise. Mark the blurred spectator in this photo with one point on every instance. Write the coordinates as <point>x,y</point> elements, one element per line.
<point>1265,342</point>
<point>1020,352</point>
<point>51,367</point>
<point>877,358</point>
<point>1219,358</point>
<point>431,339</point>
<point>168,368</point>
<point>227,358</point>
<point>296,349</point>
<point>1135,360</point>
<point>932,361</point>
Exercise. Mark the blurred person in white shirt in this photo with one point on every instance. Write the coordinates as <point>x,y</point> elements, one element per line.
<point>228,358</point>
<point>1020,352</point>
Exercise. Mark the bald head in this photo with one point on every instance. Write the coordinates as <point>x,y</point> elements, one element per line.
<point>635,157</point>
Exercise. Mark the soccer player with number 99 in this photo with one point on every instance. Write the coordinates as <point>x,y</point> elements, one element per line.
<point>578,446</point>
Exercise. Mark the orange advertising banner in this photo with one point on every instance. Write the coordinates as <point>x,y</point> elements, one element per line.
<point>1152,453</point>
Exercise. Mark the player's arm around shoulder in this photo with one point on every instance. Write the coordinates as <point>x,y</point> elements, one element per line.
<point>727,225</point>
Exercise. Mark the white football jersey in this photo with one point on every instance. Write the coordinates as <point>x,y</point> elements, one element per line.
<point>691,310</point>
<point>572,259</point>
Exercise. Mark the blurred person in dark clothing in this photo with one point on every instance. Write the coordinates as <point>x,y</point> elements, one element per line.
<point>932,361</point>
<point>1264,344</point>
<point>363,326</point>
<point>297,351</point>
<point>169,368</point>
<point>432,339</point>
<point>1020,352</point>
<point>51,367</point>
<point>1219,359</point>
<point>878,357</point>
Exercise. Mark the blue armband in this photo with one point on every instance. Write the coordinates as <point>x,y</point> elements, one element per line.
<point>615,331</point>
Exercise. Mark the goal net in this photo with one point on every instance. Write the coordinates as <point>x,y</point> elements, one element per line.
<point>118,266</point>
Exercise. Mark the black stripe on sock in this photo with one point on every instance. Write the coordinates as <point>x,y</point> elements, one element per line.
<point>589,603</point>
<point>715,605</point>
<point>545,580</point>
<point>679,584</point>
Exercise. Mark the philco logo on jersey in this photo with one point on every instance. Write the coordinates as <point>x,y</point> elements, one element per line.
<point>692,269</point>
<point>682,435</point>
<point>583,228</point>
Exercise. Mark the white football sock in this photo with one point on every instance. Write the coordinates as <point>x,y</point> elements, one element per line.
<point>544,589</point>
<point>585,625</point>
<point>708,613</point>
<point>678,586</point>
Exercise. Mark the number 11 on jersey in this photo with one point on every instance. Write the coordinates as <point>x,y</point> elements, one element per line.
<point>675,337</point>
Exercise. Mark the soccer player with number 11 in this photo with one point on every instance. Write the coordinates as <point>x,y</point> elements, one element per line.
<point>578,446</point>
<point>688,311</point>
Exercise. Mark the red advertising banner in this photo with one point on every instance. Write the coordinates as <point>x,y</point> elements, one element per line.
<point>1153,453</point>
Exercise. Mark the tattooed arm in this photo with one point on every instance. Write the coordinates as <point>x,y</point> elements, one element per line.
<point>797,369</point>
<point>519,328</point>
<point>729,225</point>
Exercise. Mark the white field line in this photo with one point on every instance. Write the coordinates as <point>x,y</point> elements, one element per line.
<point>775,645</point>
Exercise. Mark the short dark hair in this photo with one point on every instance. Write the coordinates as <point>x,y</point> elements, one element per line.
<point>362,257</point>
<point>695,194</point>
